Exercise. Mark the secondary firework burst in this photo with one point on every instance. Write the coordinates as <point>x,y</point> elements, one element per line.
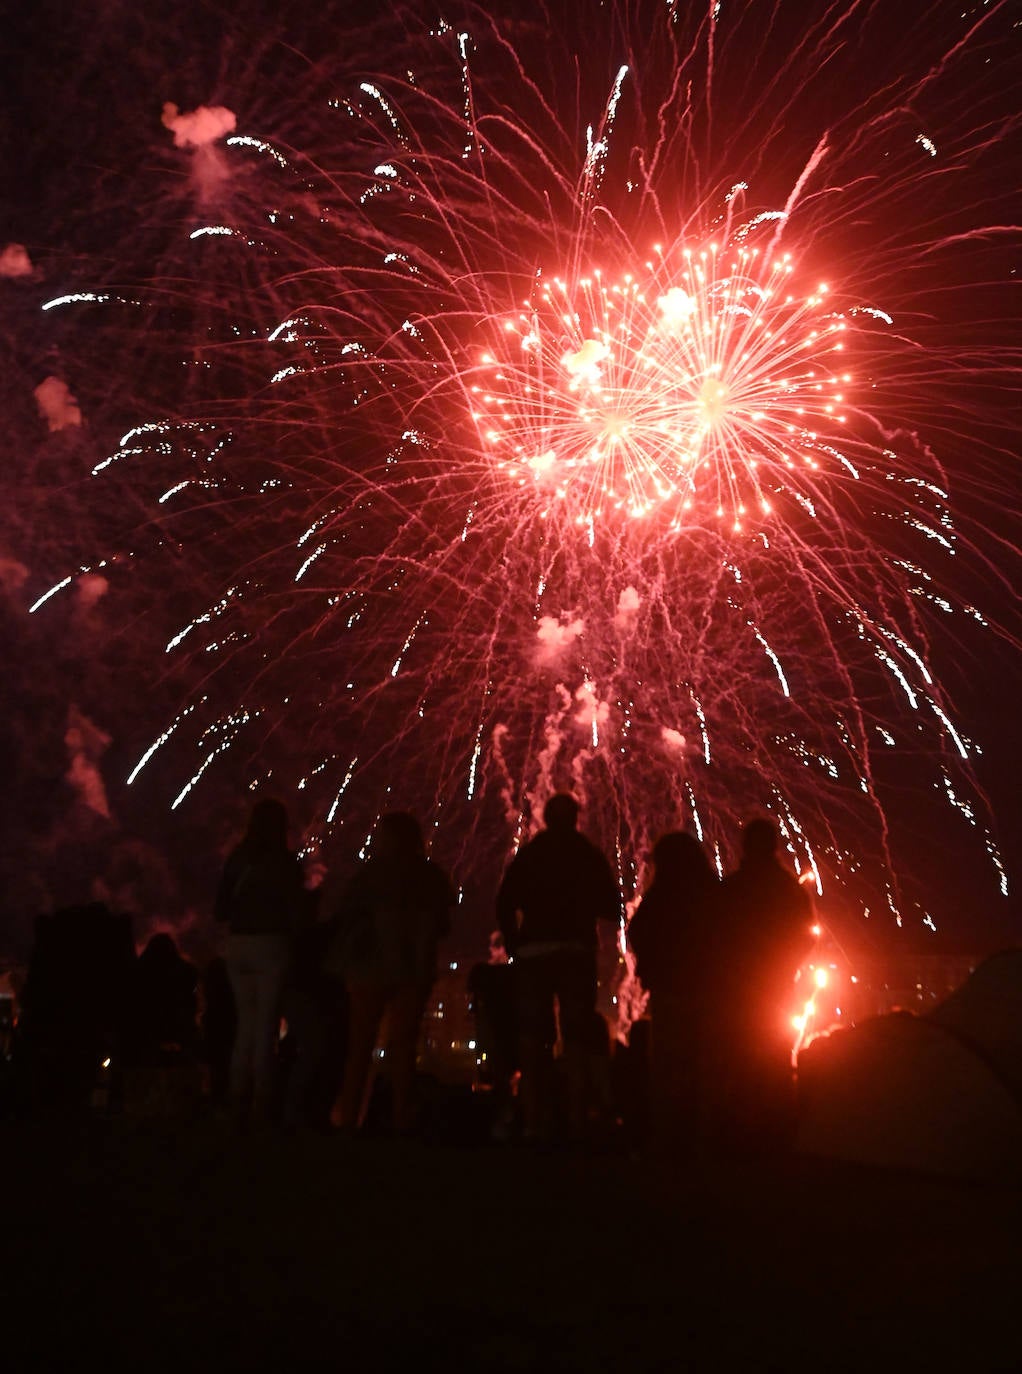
<point>517,451</point>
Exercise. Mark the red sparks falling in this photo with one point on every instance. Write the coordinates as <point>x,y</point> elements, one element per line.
<point>522,446</point>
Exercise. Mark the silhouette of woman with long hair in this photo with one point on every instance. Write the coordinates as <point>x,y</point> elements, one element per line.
<point>390,919</point>
<point>671,934</point>
<point>260,899</point>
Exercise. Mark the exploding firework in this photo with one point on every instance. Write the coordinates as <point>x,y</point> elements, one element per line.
<point>617,406</point>
<point>521,439</point>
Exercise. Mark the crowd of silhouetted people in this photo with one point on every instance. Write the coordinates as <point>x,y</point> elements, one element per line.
<point>313,1014</point>
<point>711,1063</point>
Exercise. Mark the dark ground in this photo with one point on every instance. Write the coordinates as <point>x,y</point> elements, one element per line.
<point>163,1244</point>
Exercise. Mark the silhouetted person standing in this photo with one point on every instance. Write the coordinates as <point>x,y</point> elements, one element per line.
<point>671,934</point>
<point>491,992</point>
<point>390,920</point>
<point>76,1004</point>
<point>316,1011</point>
<point>261,899</point>
<point>763,937</point>
<point>163,1004</point>
<point>218,1024</point>
<point>555,890</point>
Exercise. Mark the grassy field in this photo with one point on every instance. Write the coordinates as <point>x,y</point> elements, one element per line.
<point>166,1245</point>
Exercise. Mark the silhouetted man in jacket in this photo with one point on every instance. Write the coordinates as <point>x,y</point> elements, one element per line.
<point>555,890</point>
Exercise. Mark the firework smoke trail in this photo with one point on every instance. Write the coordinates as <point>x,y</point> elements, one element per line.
<point>525,447</point>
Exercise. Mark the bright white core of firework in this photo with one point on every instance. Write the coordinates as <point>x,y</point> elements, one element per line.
<point>624,398</point>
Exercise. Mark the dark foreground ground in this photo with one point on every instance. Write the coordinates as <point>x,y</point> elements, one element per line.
<point>189,1246</point>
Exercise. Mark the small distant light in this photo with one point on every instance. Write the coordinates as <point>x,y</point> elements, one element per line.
<point>817,930</point>
<point>454,966</point>
<point>471,1044</point>
<point>821,977</point>
<point>106,1063</point>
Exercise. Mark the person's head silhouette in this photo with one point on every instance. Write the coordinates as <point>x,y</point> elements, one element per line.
<point>398,836</point>
<point>759,841</point>
<point>678,859</point>
<point>561,813</point>
<point>267,826</point>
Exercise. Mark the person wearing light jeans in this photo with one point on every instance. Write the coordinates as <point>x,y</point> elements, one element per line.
<point>260,898</point>
<point>256,965</point>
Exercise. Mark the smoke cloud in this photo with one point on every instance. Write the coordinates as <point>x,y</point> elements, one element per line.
<point>13,575</point>
<point>89,590</point>
<point>56,405</point>
<point>593,713</point>
<point>14,261</point>
<point>199,127</point>
<point>86,743</point>
<point>627,604</point>
<point>554,636</point>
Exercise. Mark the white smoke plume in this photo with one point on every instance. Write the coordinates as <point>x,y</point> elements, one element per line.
<point>584,366</point>
<point>86,744</point>
<point>56,405</point>
<point>628,603</point>
<point>14,261</point>
<point>554,636</point>
<point>89,590</point>
<point>546,760</point>
<point>498,758</point>
<point>593,713</point>
<point>199,127</point>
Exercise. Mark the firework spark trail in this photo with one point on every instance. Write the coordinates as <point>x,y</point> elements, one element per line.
<point>508,464</point>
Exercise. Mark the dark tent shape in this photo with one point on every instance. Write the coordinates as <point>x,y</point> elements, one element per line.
<point>985,1013</point>
<point>938,1094</point>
